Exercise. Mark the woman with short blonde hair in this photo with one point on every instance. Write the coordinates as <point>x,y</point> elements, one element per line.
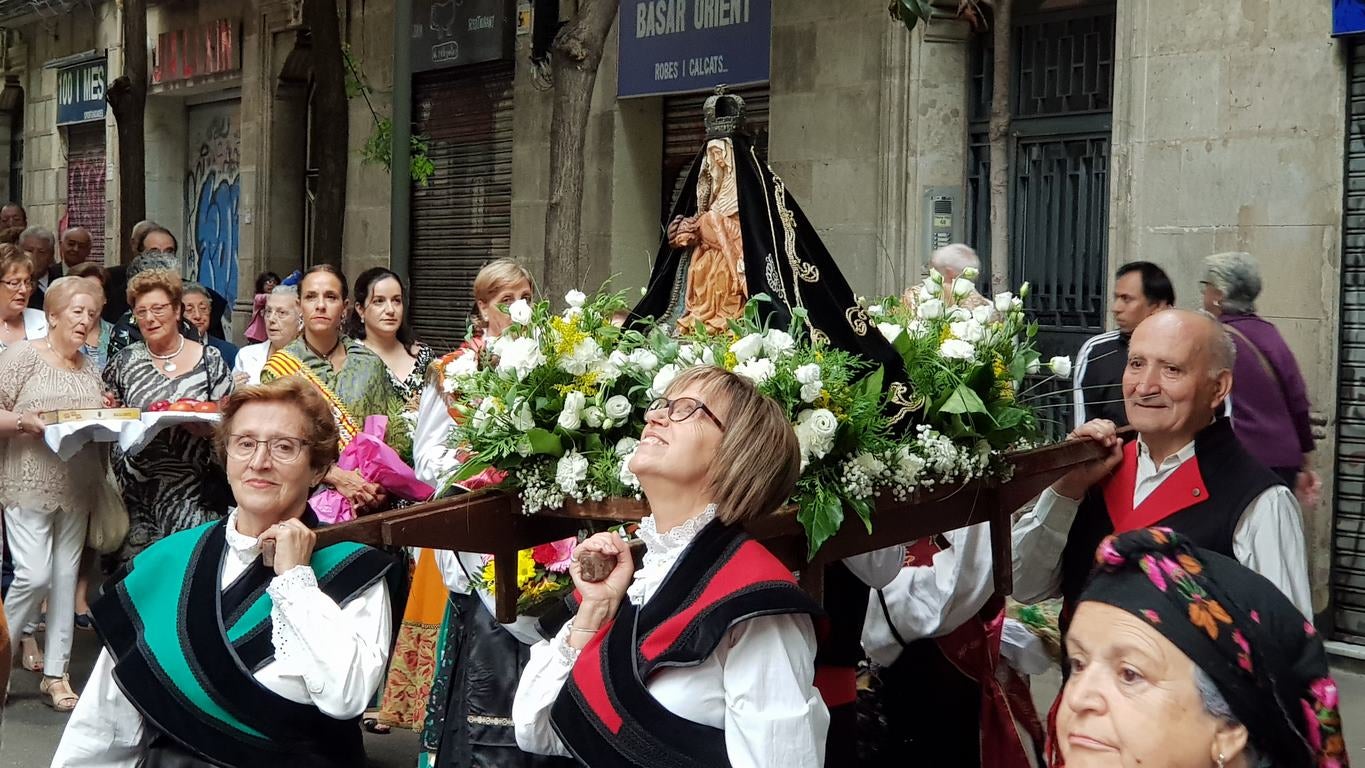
<point>706,655</point>
<point>17,320</point>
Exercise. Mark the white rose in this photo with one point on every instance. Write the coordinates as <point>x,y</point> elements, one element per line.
<point>571,470</point>
<point>962,287</point>
<point>517,357</point>
<point>811,392</point>
<point>876,310</point>
<point>571,417</point>
<point>586,355</point>
<point>626,446</point>
<point>592,416</point>
<point>778,343</point>
<point>815,431</point>
<point>662,379</point>
<point>522,420</point>
<point>931,309</point>
<point>758,370</point>
<point>891,331</point>
<point>575,298</point>
<point>822,423</point>
<point>957,349</point>
<point>645,360</point>
<point>968,330</point>
<point>520,312</point>
<point>747,348</point>
<point>983,314</point>
<point>808,373</point>
<point>617,407</point>
<point>1004,301</point>
<point>1061,366</point>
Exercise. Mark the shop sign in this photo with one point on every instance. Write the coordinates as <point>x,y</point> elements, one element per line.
<point>205,49</point>
<point>449,33</point>
<point>1348,17</point>
<point>675,46</point>
<point>80,93</point>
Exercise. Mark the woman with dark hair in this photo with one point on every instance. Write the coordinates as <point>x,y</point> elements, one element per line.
<point>350,377</point>
<point>380,322</point>
<point>265,283</point>
<point>1184,658</point>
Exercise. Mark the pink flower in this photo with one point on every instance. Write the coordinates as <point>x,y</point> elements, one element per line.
<point>1108,554</point>
<point>556,555</point>
<point>1241,641</point>
<point>1309,629</point>
<point>1153,571</point>
<point>1256,616</point>
<point>1325,691</point>
<point>1151,616</point>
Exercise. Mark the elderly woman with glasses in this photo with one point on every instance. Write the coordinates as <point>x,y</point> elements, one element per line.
<point>283,321</point>
<point>17,321</point>
<point>175,482</point>
<point>1269,398</point>
<point>267,650</point>
<point>706,655</point>
<point>1183,658</point>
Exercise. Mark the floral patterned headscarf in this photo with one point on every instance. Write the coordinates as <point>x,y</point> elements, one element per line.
<point>1236,626</point>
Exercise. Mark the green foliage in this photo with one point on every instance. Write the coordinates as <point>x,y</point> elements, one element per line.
<point>910,12</point>
<point>378,149</point>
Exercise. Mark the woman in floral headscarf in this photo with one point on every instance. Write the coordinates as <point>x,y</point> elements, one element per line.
<point>1185,658</point>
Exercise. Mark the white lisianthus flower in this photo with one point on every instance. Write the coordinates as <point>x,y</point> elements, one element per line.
<point>1024,291</point>
<point>778,344</point>
<point>747,348</point>
<point>571,470</point>
<point>592,416</point>
<point>1004,301</point>
<point>970,273</point>
<point>962,287</point>
<point>957,349</point>
<point>909,467</point>
<point>626,446</point>
<point>571,416</point>
<point>935,277</point>
<point>869,463</point>
<point>645,360</point>
<point>983,314</point>
<point>931,309</point>
<point>463,365</point>
<point>1033,365</point>
<point>617,407</point>
<point>585,356</point>
<point>891,331</point>
<point>968,330</point>
<point>520,311</point>
<point>1017,304</point>
<point>959,314</point>
<point>757,370</point>
<point>662,379</point>
<point>1061,366</point>
<point>928,291</point>
<point>487,408</point>
<point>517,357</point>
<point>575,298</point>
<point>628,478</point>
<point>572,313</point>
<point>808,376</point>
<point>607,370</point>
<point>696,354</point>
<point>876,310</point>
<point>522,420</point>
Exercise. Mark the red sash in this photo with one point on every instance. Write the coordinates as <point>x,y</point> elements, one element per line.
<point>974,648</point>
<point>1182,490</point>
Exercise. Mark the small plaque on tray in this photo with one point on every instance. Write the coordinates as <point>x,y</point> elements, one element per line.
<point>66,416</point>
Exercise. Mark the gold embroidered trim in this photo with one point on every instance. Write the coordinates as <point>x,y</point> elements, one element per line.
<point>857,319</point>
<point>819,337</point>
<point>897,394</point>
<point>808,272</point>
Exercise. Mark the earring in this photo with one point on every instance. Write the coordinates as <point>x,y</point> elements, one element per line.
<point>1222,761</point>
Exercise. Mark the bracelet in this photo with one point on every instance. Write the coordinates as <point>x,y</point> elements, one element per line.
<point>572,628</point>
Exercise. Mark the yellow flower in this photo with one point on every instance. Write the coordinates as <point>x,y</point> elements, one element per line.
<point>488,572</point>
<point>567,335</point>
<point>526,567</point>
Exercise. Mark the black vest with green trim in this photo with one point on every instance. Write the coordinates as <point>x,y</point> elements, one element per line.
<point>605,714</point>
<point>185,651</point>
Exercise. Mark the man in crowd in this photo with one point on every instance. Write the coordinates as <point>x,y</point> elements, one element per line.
<point>13,215</point>
<point>41,246</point>
<point>1141,289</point>
<point>1186,471</point>
<point>76,244</point>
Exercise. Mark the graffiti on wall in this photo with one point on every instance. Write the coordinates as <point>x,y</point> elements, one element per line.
<point>212,192</point>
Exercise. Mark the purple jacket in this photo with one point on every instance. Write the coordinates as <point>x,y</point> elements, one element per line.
<point>1269,411</point>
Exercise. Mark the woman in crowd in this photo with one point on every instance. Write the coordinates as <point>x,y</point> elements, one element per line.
<point>380,322</point>
<point>267,651</point>
<point>478,660</point>
<point>351,378</point>
<point>266,282</point>
<point>47,501</point>
<point>97,341</point>
<point>17,321</point>
<point>198,303</point>
<point>283,323</point>
<point>175,482</point>
<point>1184,658</point>
<point>1269,398</point>
<point>706,655</point>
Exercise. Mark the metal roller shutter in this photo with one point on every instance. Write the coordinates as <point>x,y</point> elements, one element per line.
<point>1348,540</point>
<point>685,133</point>
<point>85,204</point>
<point>463,218</point>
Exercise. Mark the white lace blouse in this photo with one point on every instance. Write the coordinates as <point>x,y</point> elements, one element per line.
<point>758,685</point>
<point>331,657</point>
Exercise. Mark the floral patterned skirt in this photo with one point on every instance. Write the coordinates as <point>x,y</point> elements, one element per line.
<point>412,666</point>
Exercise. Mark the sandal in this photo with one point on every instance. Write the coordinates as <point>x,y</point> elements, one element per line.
<point>33,659</point>
<point>371,724</point>
<point>58,689</point>
<point>84,621</point>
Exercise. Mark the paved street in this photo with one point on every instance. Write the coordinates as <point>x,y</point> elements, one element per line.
<point>32,729</point>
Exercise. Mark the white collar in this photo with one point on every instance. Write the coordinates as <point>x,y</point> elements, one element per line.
<point>1176,459</point>
<point>246,548</point>
<point>677,537</point>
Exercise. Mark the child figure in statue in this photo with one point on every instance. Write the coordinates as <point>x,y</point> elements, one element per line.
<point>716,290</point>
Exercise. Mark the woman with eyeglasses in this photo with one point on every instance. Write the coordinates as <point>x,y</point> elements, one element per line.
<point>706,655</point>
<point>236,642</point>
<point>17,321</point>
<point>283,323</point>
<point>175,482</point>
<point>350,377</point>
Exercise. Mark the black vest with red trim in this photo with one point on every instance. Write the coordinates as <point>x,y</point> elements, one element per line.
<point>1204,499</point>
<point>605,714</point>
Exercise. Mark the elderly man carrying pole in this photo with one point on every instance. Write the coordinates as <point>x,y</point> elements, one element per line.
<point>1186,471</point>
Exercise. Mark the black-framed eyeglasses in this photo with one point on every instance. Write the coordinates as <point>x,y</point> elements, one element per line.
<point>285,450</point>
<point>682,408</point>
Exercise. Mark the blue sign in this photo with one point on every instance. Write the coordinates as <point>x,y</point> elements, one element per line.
<point>675,46</point>
<point>80,93</point>
<point>1348,17</point>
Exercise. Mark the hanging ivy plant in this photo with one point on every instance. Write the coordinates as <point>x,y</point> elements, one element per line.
<point>378,149</point>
